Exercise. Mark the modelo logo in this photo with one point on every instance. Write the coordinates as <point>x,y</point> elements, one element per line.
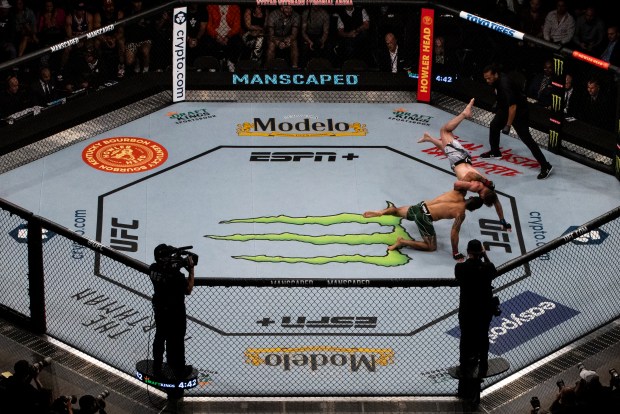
<point>300,129</point>
<point>523,317</point>
<point>315,357</point>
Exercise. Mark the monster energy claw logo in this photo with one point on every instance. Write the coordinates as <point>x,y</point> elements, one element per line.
<point>556,102</point>
<point>391,258</point>
<point>553,138</point>
<point>558,66</point>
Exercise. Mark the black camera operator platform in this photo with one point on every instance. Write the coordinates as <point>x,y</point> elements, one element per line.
<point>470,382</point>
<point>166,380</point>
<point>496,366</point>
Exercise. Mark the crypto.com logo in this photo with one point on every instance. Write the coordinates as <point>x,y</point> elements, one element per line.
<point>593,237</point>
<point>180,17</point>
<point>390,259</point>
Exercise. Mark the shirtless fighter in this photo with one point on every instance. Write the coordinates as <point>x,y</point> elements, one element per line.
<point>460,162</point>
<point>449,205</point>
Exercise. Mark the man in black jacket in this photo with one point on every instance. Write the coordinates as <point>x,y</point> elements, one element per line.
<point>476,308</point>
<point>44,88</point>
<point>170,287</point>
<point>511,111</point>
<point>611,50</point>
<point>393,58</point>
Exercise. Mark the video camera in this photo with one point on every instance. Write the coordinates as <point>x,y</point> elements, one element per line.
<point>24,368</point>
<point>615,379</point>
<point>91,404</point>
<point>101,398</point>
<point>38,366</point>
<point>175,257</point>
<point>66,398</point>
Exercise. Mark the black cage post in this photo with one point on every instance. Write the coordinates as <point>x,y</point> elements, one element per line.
<point>36,284</point>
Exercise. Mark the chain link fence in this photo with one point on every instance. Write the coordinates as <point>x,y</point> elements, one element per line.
<point>14,292</point>
<point>309,337</point>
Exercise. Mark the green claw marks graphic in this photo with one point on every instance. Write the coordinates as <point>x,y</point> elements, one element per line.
<point>391,258</point>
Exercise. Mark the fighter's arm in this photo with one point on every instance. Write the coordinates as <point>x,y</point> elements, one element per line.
<point>512,112</point>
<point>454,237</point>
<point>500,214</point>
<point>473,186</point>
<point>475,176</point>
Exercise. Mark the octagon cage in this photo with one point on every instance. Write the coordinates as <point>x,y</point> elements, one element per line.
<point>316,333</point>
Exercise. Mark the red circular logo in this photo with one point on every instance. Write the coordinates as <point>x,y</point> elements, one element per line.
<point>124,155</point>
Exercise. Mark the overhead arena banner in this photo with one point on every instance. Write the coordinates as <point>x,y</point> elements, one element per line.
<point>179,55</point>
<point>426,55</point>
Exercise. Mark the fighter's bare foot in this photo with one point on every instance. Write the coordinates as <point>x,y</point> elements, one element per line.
<point>426,138</point>
<point>397,245</point>
<point>467,110</point>
<point>369,214</point>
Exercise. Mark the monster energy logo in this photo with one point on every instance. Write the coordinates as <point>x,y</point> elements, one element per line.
<point>556,102</point>
<point>554,137</point>
<point>558,66</point>
<point>392,258</point>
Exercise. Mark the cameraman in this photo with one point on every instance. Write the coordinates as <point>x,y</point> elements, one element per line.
<point>476,308</point>
<point>170,287</point>
<point>20,394</point>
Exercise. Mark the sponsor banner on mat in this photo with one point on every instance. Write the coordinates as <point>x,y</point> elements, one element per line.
<point>523,317</point>
<point>124,155</point>
<point>179,54</point>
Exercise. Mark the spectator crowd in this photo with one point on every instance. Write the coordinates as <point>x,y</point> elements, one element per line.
<point>588,394</point>
<point>22,391</point>
<point>382,37</point>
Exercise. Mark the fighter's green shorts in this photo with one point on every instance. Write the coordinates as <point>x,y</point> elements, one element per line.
<point>422,217</point>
